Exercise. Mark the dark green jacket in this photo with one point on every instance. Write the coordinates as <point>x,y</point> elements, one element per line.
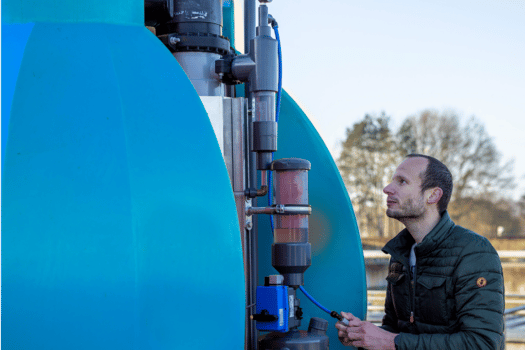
<point>457,299</point>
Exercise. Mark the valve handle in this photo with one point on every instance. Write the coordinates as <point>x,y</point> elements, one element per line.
<point>264,316</point>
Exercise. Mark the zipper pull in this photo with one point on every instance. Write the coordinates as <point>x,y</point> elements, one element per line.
<point>411,316</point>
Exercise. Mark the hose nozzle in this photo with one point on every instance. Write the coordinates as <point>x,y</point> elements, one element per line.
<point>343,320</point>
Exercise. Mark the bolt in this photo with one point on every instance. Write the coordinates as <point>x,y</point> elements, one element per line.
<point>249,225</point>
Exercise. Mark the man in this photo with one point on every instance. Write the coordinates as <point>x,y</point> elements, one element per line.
<point>445,283</point>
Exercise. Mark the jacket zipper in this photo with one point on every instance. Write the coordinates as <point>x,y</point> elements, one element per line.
<point>412,287</point>
<point>412,307</point>
<point>413,301</point>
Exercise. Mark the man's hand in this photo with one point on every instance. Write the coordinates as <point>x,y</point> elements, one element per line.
<point>364,334</point>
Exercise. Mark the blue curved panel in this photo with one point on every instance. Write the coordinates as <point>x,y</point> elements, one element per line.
<point>14,40</point>
<point>337,277</point>
<point>119,227</point>
<point>127,12</point>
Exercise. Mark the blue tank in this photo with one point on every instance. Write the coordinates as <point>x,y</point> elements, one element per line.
<point>119,228</point>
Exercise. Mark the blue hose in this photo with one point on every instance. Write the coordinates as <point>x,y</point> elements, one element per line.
<point>277,112</point>
<point>314,301</point>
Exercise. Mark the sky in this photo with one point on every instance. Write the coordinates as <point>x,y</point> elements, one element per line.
<point>344,59</point>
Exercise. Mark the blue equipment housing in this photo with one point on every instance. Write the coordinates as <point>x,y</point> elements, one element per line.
<point>273,299</point>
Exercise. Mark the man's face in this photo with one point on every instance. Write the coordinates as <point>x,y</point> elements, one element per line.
<point>405,200</point>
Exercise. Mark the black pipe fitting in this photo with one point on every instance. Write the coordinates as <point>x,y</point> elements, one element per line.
<point>272,21</point>
<point>252,193</point>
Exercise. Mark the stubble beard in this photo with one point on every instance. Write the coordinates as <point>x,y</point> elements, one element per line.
<point>410,211</point>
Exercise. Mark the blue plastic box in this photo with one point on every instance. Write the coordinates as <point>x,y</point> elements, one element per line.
<point>274,299</point>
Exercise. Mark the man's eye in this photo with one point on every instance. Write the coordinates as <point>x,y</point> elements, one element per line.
<point>402,182</point>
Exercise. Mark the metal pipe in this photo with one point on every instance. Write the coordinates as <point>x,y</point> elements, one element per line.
<point>251,174</point>
<point>249,34</point>
<point>249,23</point>
<point>264,178</point>
<point>263,16</point>
<point>280,209</point>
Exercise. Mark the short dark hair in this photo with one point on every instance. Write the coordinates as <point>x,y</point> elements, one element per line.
<point>436,175</point>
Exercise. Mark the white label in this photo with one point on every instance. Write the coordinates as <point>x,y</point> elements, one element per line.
<point>291,305</point>
<point>281,317</point>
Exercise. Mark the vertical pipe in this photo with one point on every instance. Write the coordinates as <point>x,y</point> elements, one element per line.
<point>249,23</point>
<point>251,171</point>
<point>249,34</point>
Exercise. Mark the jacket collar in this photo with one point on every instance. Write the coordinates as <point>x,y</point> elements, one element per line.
<point>399,246</point>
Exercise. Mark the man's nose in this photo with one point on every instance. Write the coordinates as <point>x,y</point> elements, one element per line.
<point>388,189</point>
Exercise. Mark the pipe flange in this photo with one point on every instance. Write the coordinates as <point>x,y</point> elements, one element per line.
<point>196,42</point>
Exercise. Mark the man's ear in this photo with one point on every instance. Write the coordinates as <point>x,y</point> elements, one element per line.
<point>435,195</point>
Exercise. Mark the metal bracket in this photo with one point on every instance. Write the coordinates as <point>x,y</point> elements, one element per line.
<point>248,223</point>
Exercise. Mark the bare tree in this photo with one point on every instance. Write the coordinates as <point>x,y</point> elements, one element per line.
<point>371,152</point>
<point>368,159</point>
<point>468,151</point>
<point>492,219</point>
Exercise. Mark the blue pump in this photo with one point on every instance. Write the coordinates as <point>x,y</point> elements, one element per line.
<point>272,308</point>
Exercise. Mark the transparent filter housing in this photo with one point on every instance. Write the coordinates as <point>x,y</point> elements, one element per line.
<point>291,252</point>
<point>293,190</point>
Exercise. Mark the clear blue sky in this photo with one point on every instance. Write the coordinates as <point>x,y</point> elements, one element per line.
<point>343,59</point>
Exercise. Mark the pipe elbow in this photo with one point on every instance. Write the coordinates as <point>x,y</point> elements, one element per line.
<point>262,191</point>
